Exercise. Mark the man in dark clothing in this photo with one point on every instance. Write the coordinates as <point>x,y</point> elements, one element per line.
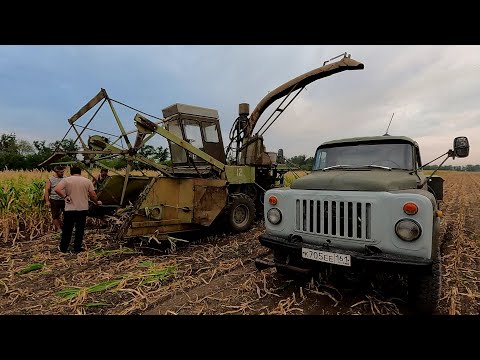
<point>76,190</point>
<point>101,179</point>
<point>52,200</point>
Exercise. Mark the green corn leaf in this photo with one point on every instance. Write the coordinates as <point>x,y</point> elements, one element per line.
<point>32,267</point>
<point>96,304</point>
<point>69,293</point>
<point>103,286</point>
<point>146,264</point>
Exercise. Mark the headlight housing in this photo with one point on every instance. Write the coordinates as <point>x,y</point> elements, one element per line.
<point>408,229</point>
<point>274,215</point>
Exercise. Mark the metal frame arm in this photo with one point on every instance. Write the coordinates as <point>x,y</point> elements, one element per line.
<point>94,101</point>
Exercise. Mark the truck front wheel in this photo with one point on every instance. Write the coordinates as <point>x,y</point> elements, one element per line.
<point>424,288</point>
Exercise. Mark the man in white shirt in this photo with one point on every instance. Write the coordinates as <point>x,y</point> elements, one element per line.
<point>75,190</point>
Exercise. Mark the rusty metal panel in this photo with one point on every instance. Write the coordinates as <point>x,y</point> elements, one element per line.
<point>255,153</point>
<point>141,221</point>
<point>175,196</point>
<point>210,198</point>
<point>185,204</point>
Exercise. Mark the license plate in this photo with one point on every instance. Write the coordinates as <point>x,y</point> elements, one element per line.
<point>327,257</point>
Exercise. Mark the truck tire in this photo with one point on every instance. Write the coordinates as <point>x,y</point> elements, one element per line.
<point>424,288</point>
<point>240,213</point>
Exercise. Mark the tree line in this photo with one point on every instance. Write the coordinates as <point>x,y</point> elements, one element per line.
<point>19,154</point>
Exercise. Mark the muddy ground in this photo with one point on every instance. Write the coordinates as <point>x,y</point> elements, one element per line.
<point>216,274</point>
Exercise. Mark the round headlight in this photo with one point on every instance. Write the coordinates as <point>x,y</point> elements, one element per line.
<point>408,229</point>
<point>274,216</point>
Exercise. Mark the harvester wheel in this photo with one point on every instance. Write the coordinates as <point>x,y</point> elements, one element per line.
<point>240,212</point>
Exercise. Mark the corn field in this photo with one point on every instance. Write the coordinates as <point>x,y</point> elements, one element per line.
<point>23,215</point>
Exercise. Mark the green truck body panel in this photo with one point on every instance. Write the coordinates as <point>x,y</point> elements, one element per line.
<point>357,180</point>
<point>240,174</point>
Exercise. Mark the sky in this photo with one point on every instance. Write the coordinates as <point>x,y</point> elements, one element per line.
<point>434,91</point>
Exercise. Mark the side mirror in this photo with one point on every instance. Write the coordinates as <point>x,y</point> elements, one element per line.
<point>461,146</point>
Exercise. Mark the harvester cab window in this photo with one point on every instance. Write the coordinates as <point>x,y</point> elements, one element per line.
<point>193,134</point>
<point>210,132</point>
<point>178,154</point>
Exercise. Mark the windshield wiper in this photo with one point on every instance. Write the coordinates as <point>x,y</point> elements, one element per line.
<point>356,167</point>
<point>337,167</point>
<point>377,167</point>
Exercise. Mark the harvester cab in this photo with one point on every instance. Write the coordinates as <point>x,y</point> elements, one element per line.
<point>199,127</point>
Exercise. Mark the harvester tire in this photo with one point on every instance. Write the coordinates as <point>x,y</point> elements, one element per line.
<point>240,213</point>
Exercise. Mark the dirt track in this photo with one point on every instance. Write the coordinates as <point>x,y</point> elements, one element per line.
<point>217,275</point>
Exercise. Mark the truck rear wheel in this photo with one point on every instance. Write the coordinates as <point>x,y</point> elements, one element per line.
<point>424,288</point>
<point>240,213</point>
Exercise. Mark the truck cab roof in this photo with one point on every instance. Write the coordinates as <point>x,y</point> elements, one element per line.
<point>369,139</point>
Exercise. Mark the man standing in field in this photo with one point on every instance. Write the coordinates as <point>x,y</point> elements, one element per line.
<point>101,179</point>
<point>52,200</point>
<point>76,190</point>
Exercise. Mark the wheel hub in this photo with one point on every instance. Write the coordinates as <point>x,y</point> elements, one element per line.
<point>240,214</point>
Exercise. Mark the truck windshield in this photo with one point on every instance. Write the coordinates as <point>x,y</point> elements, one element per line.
<point>394,156</point>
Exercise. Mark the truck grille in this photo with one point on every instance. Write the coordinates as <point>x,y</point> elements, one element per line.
<point>345,219</point>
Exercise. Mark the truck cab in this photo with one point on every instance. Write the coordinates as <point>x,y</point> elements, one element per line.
<point>366,204</point>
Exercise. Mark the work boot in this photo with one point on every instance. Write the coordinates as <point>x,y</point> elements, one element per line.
<point>62,251</point>
<point>82,249</point>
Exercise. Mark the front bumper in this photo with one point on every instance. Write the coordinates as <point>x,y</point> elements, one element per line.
<point>368,257</point>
